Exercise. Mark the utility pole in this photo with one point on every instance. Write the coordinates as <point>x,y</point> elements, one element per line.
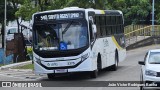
<point>5,16</point>
<point>153,2</point>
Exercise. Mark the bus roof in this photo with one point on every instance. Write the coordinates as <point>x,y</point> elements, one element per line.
<point>97,11</point>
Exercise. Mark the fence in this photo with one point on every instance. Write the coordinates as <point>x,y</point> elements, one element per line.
<point>134,33</point>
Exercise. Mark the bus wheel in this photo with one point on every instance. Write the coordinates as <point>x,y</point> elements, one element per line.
<point>94,74</point>
<point>115,66</point>
<point>50,76</point>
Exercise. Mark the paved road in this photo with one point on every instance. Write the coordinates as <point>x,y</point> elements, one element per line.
<point>128,70</point>
<point>18,75</point>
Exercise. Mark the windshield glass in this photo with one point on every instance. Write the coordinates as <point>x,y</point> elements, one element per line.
<point>61,35</point>
<point>154,58</point>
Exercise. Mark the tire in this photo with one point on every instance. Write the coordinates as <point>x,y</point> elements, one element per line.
<point>94,74</point>
<point>141,81</point>
<point>141,88</point>
<point>115,66</point>
<point>51,76</point>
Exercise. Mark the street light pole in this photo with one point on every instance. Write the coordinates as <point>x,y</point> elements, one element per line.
<point>153,2</point>
<point>5,16</point>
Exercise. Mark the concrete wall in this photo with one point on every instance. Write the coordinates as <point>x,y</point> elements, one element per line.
<point>145,42</point>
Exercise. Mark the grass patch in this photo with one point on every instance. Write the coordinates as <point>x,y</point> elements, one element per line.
<point>1,65</point>
<point>29,66</point>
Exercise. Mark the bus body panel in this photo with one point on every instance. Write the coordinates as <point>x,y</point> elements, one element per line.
<point>105,46</point>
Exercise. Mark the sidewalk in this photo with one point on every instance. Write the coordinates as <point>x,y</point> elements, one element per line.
<point>6,67</point>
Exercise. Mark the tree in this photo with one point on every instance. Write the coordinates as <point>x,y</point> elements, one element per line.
<point>15,5</point>
<point>96,4</point>
<point>134,10</point>
<point>10,16</point>
<point>26,10</point>
<point>31,6</point>
<point>157,10</point>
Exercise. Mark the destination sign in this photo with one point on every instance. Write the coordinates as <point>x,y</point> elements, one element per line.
<point>59,16</point>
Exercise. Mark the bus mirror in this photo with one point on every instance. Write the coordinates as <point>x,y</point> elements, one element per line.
<point>94,28</point>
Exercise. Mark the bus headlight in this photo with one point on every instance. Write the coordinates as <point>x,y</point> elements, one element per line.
<point>150,73</point>
<point>84,57</point>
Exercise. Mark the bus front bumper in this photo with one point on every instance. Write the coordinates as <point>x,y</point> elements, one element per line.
<point>85,66</point>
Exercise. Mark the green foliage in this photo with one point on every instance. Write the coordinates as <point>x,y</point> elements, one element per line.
<point>80,3</point>
<point>58,4</point>
<point>29,53</point>
<point>1,65</point>
<point>29,50</point>
<point>10,12</point>
<point>26,10</point>
<point>157,10</point>
<point>134,10</point>
<point>12,7</point>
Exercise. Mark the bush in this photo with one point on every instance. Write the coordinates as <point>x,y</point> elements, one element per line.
<point>29,53</point>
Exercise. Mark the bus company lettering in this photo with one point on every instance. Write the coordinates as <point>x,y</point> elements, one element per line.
<point>61,16</point>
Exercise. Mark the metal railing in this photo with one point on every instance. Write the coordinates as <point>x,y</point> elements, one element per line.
<point>131,28</point>
<point>142,32</point>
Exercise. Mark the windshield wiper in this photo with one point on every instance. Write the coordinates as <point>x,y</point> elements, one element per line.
<point>67,27</point>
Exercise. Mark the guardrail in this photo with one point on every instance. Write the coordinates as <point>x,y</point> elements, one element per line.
<point>133,36</point>
<point>131,28</point>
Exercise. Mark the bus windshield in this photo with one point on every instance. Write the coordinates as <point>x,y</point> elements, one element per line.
<point>64,35</point>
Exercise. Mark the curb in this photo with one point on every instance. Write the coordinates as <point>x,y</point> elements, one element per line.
<point>6,67</point>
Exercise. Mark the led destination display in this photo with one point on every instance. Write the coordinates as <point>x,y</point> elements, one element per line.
<point>59,16</point>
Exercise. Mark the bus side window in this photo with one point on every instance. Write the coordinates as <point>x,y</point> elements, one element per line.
<point>91,32</point>
<point>113,30</point>
<point>107,28</point>
<point>98,26</point>
<point>121,24</point>
<point>118,24</point>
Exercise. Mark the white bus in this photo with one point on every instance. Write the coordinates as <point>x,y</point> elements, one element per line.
<point>77,40</point>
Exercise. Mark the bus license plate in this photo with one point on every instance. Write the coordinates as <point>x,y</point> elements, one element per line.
<point>60,70</point>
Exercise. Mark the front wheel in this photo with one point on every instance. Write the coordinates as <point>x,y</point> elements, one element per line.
<point>141,88</point>
<point>141,81</point>
<point>94,74</point>
<point>51,76</point>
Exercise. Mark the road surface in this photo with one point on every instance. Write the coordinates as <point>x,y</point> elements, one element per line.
<point>128,70</point>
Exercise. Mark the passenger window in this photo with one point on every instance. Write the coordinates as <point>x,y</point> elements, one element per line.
<point>91,31</point>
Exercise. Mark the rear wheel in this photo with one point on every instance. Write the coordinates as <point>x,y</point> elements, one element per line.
<point>51,76</point>
<point>115,66</point>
